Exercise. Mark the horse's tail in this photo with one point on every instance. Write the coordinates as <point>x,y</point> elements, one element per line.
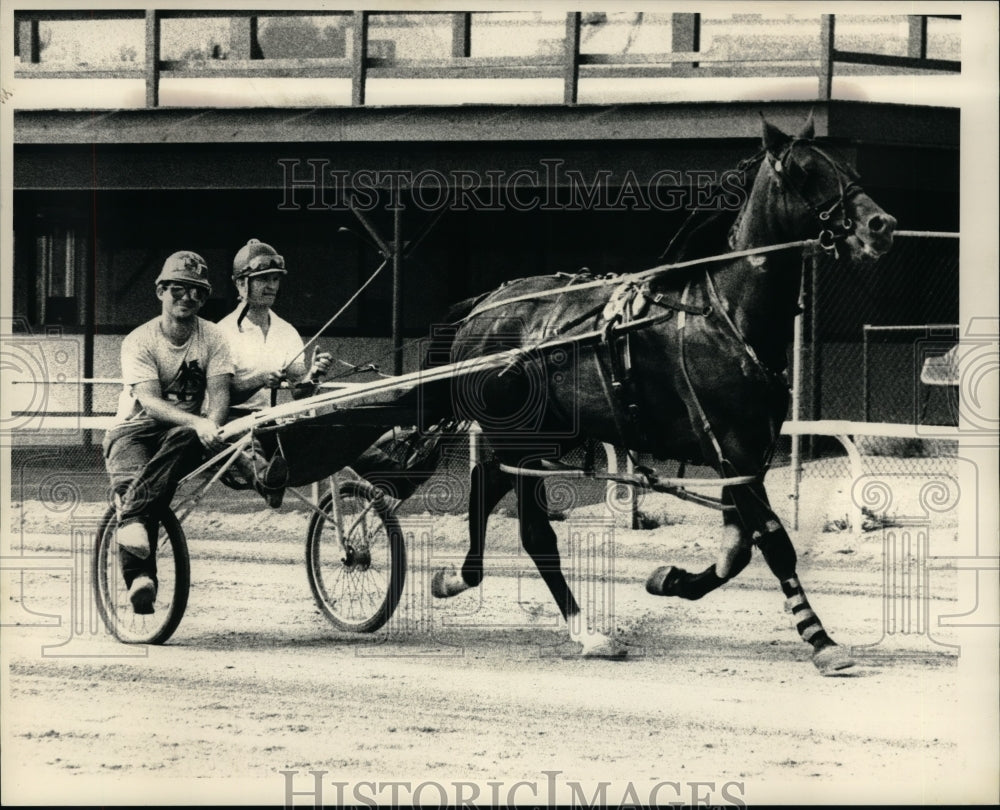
<point>435,398</point>
<point>403,459</point>
<point>443,335</point>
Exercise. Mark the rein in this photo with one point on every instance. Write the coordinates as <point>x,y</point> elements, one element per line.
<point>625,278</point>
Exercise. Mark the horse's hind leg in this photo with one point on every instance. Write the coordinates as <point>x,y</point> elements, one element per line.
<point>776,547</point>
<point>539,540</point>
<point>487,487</point>
<point>671,580</point>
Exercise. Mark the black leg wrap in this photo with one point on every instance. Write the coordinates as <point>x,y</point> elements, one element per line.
<point>778,552</point>
<point>669,580</point>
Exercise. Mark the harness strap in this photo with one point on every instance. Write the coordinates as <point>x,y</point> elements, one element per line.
<point>706,425</point>
<point>679,306</point>
<point>714,294</point>
<point>613,404</point>
<point>616,339</point>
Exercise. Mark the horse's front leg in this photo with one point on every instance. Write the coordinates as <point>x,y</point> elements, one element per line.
<point>779,554</point>
<point>487,486</point>
<point>539,540</point>
<point>752,522</point>
<point>734,555</point>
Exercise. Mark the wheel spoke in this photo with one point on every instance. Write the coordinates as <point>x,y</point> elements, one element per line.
<point>355,589</point>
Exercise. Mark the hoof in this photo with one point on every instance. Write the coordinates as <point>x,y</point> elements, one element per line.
<point>663,581</point>
<point>597,645</point>
<point>446,583</point>
<point>833,660</point>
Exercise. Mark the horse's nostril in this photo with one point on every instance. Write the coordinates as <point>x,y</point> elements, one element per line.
<point>881,224</point>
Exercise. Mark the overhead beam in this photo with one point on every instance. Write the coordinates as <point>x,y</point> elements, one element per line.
<point>497,123</point>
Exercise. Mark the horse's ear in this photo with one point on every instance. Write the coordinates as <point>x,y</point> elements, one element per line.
<point>808,131</point>
<point>774,138</point>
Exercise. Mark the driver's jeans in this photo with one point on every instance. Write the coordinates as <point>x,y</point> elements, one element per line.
<point>145,462</point>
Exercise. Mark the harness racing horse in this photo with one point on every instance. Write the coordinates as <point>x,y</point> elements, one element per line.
<point>685,361</point>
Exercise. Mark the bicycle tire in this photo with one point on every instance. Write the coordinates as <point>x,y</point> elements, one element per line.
<point>173,563</point>
<point>357,590</point>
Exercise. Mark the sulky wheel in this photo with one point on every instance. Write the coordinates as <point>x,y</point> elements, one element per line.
<point>173,574</point>
<point>357,583</point>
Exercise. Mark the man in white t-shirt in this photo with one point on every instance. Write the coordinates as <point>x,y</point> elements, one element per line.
<point>176,370</point>
<point>266,349</point>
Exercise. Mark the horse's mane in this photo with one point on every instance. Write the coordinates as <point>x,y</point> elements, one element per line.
<point>704,233</point>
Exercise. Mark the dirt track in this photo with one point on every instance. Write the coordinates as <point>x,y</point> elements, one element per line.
<point>483,688</point>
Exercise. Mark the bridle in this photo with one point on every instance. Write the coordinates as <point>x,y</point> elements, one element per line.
<point>831,232</point>
<point>792,177</point>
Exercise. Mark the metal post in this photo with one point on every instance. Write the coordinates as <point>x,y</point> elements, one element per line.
<point>243,38</point>
<point>814,358</point>
<point>685,34</point>
<point>397,287</point>
<point>89,283</point>
<point>796,460</point>
<point>917,40</point>
<point>865,393</point>
<point>461,40</point>
<point>30,44</point>
<point>152,58</point>
<point>571,57</point>
<point>359,76</point>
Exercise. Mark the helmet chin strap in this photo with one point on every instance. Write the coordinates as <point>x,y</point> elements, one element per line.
<point>244,297</point>
<point>243,312</point>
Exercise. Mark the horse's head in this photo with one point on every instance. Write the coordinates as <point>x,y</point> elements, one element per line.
<point>823,195</point>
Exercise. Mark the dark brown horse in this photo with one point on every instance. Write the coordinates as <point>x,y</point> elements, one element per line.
<point>683,362</point>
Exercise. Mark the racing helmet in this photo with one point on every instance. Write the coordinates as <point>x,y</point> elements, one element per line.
<point>185,267</point>
<point>256,258</point>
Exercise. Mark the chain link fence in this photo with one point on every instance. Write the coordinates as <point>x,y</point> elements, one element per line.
<point>867,335</point>
<point>868,331</point>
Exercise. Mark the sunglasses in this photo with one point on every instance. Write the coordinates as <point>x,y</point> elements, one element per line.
<point>178,291</point>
